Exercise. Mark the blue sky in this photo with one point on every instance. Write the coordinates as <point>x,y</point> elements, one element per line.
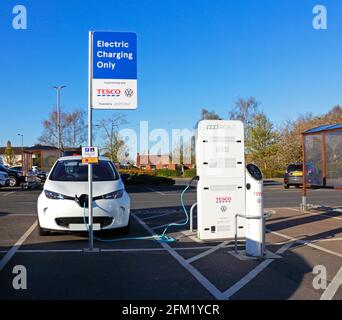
<point>192,54</point>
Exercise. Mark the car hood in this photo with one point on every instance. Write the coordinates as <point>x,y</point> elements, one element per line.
<point>77,188</point>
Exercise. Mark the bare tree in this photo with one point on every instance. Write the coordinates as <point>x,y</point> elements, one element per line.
<point>73,129</point>
<point>76,128</point>
<point>113,142</point>
<point>50,129</point>
<point>245,110</point>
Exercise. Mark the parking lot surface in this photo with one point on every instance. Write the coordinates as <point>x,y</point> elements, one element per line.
<point>58,268</point>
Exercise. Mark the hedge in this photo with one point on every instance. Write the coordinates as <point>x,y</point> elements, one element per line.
<point>190,173</point>
<point>146,179</point>
<point>272,173</point>
<point>168,173</point>
<point>136,171</point>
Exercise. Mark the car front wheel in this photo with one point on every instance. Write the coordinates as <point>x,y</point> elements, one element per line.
<point>13,181</point>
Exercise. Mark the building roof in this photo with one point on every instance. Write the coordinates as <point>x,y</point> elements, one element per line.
<point>40,147</point>
<point>326,127</point>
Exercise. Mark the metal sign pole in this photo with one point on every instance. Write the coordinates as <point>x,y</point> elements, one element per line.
<point>90,143</point>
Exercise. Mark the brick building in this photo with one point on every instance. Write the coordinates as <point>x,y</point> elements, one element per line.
<point>153,162</point>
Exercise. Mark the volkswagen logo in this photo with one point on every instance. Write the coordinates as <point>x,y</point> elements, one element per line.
<point>129,93</point>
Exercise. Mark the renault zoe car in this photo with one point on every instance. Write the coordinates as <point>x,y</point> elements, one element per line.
<point>63,203</point>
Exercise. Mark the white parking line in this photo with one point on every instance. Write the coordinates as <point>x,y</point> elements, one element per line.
<point>17,245</point>
<point>195,273</point>
<point>332,288</point>
<point>159,192</point>
<point>166,224</point>
<point>205,253</point>
<point>8,193</point>
<point>116,250</point>
<point>252,274</point>
<point>315,213</point>
<point>305,242</point>
<point>328,239</point>
<point>246,279</point>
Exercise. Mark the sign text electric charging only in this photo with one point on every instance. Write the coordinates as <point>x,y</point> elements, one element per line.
<point>114,68</point>
<point>112,84</point>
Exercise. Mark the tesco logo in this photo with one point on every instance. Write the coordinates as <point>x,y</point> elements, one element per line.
<point>108,92</point>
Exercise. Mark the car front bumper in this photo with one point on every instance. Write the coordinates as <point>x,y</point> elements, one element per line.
<point>67,215</point>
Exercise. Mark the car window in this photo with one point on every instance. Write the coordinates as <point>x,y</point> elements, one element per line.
<point>75,170</point>
<point>294,167</point>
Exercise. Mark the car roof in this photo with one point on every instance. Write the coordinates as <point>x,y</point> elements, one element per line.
<point>80,157</point>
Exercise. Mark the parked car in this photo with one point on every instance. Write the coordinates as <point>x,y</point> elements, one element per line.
<point>293,175</point>
<point>15,177</point>
<point>35,171</point>
<point>4,179</point>
<point>63,204</point>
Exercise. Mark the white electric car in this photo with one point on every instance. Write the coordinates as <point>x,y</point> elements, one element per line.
<point>63,204</point>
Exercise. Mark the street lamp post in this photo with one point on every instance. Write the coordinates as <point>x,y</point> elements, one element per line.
<point>22,149</point>
<point>22,142</point>
<point>59,137</point>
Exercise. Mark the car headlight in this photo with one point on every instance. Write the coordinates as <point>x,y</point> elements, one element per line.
<point>53,195</point>
<point>113,195</point>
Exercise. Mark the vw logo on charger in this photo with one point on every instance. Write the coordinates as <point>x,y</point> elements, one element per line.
<point>129,93</point>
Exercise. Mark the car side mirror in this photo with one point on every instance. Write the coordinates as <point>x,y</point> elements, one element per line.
<point>125,177</point>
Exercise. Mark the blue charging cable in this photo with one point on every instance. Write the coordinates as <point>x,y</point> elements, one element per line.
<point>161,238</point>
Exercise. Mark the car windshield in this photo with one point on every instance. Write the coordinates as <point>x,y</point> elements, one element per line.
<point>75,170</point>
<point>294,167</point>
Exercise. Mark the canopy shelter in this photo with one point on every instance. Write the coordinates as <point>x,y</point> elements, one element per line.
<point>46,157</point>
<point>322,158</point>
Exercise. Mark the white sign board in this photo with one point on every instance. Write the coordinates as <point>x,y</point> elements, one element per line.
<point>114,70</point>
<point>90,155</point>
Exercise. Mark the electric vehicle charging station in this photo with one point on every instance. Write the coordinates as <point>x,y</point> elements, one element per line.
<point>220,160</point>
<point>229,196</point>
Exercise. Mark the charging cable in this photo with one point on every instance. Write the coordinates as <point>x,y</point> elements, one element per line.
<point>161,238</point>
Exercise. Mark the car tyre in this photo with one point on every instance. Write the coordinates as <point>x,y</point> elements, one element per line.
<point>13,181</point>
<point>286,186</point>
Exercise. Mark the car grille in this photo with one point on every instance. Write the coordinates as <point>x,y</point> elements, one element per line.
<point>64,222</point>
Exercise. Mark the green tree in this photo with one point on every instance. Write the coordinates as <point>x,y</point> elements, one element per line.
<point>9,154</point>
<point>262,143</point>
<point>290,145</point>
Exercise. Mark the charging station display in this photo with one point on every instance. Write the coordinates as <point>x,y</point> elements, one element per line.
<point>221,189</point>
